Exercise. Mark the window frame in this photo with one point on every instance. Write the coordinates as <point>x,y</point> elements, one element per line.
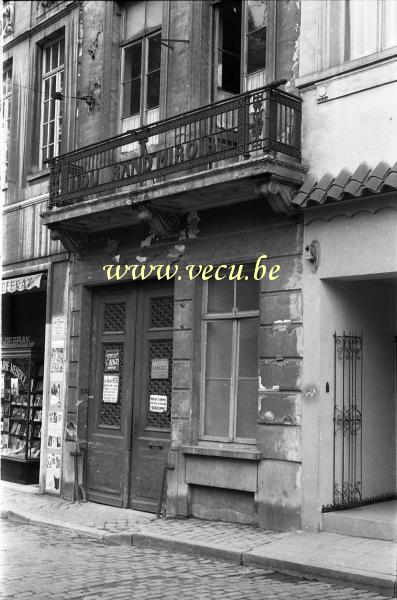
<point>58,72</point>
<point>235,317</point>
<point>144,39</point>
<point>6,116</point>
<point>269,70</point>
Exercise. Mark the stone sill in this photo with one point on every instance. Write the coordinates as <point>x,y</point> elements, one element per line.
<point>38,175</point>
<point>242,454</point>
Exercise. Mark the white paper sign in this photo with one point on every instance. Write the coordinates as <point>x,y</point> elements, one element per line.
<point>158,403</point>
<point>110,392</point>
<point>160,368</point>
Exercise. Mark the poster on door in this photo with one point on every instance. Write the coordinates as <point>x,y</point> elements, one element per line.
<point>110,393</point>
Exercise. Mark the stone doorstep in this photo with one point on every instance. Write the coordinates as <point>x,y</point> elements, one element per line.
<point>262,557</point>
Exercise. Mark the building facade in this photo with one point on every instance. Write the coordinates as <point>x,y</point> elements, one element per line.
<point>161,174</point>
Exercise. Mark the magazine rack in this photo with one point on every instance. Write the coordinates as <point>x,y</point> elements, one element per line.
<point>21,413</point>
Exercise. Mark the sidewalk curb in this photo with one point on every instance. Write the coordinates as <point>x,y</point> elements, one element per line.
<point>379,585</point>
<point>246,558</point>
<point>186,546</point>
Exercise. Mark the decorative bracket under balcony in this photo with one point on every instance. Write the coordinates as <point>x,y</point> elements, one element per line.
<point>163,224</point>
<point>73,241</point>
<point>278,195</point>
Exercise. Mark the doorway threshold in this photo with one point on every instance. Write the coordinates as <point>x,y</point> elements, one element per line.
<point>376,521</point>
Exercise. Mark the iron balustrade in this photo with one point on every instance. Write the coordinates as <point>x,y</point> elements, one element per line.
<point>250,124</point>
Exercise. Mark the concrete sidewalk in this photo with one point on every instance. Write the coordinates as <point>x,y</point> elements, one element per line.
<point>360,562</point>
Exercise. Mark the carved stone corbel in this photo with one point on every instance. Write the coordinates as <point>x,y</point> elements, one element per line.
<point>278,195</point>
<point>73,241</point>
<point>164,224</point>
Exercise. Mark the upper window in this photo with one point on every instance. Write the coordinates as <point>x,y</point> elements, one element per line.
<point>360,28</point>
<point>6,117</point>
<point>141,64</point>
<point>240,45</point>
<point>230,360</point>
<point>51,109</point>
<point>371,26</point>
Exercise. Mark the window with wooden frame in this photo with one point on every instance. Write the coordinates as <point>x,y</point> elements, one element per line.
<point>6,117</point>
<point>229,387</point>
<point>241,45</point>
<point>51,110</point>
<point>141,59</point>
<point>360,28</point>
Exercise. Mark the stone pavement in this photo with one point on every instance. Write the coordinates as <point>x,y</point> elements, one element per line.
<point>359,562</point>
<point>39,563</point>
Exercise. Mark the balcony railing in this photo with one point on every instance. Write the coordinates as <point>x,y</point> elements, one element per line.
<point>248,125</point>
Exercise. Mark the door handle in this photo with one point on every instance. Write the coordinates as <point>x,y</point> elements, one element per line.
<point>159,446</point>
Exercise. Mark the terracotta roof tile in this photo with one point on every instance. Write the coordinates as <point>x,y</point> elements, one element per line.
<point>364,181</point>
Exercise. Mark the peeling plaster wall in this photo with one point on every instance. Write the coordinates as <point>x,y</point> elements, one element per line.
<point>269,490</point>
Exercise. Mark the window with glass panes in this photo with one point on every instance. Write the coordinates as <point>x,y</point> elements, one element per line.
<point>6,116</point>
<point>141,57</point>
<point>358,28</point>
<point>51,109</point>
<point>229,392</point>
<point>240,40</point>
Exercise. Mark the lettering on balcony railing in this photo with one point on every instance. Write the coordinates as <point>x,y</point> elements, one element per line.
<point>259,121</point>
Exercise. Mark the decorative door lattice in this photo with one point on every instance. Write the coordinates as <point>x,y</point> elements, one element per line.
<point>161,387</point>
<point>162,312</point>
<point>114,317</point>
<point>110,413</point>
<point>161,317</point>
<point>348,388</point>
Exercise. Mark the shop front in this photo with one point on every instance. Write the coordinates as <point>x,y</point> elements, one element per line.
<point>23,336</point>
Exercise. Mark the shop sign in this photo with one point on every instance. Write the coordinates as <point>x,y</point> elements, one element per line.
<point>16,341</point>
<point>159,368</point>
<point>158,403</point>
<point>12,368</point>
<point>112,360</point>
<point>21,284</point>
<point>110,391</point>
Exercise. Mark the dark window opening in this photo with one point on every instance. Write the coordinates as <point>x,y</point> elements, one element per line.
<point>229,46</point>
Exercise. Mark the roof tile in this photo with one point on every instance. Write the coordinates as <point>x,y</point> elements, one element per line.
<point>364,180</point>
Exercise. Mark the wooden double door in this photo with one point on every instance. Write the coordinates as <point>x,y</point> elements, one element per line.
<point>129,406</point>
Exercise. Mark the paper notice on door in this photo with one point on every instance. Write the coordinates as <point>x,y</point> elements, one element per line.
<point>112,360</point>
<point>160,368</point>
<point>110,392</point>
<point>158,403</point>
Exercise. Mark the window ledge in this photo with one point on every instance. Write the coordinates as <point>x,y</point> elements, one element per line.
<point>208,450</point>
<point>346,68</point>
<point>38,175</point>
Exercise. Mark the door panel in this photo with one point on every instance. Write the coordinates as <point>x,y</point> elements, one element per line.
<point>153,385</point>
<point>109,411</point>
<point>128,432</point>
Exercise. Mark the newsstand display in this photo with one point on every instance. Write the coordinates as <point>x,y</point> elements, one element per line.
<point>21,413</point>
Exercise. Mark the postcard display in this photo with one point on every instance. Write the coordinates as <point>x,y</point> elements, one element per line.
<point>21,413</point>
<point>55,406</point>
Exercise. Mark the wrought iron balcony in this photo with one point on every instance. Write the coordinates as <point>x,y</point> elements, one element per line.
<point>246,126</point>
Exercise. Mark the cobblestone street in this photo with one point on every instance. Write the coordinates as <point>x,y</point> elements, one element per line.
<point>45,563</point>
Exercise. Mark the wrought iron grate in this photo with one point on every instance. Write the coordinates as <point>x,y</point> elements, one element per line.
<point>348,389</point>
<point>162,312</point>
<point>161,387</point>
<point>109,413</point>
<point>114,317</point>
